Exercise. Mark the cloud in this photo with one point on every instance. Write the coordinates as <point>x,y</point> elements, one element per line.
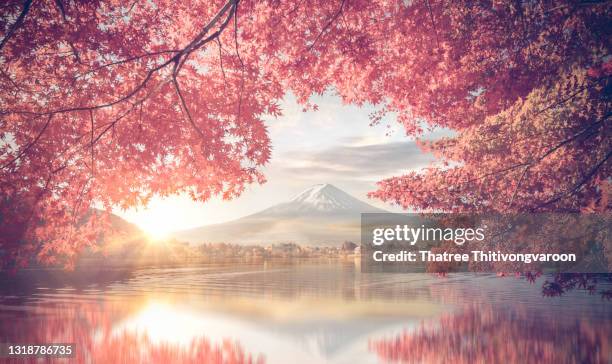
<point>357,161</point>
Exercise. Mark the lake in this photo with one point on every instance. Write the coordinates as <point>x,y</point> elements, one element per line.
<point>307,312</point>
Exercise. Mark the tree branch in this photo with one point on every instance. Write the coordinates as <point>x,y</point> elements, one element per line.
<point>193,46</point>
<point>530,163</point>
<point>329,23</point>
<point>241,64</point>
<point>31,144</point>
<point>17,23</point>
<point>198,42</point>
<point>221,65</point>
<point>60,6</point>
<point>573,137</point>
<point>91,118</point>
<point>578,185</point>
<point>518,185</point>
<point>185,109</point>
<point>126,60</point>
<point>178,59</point>
<point>433,23</point>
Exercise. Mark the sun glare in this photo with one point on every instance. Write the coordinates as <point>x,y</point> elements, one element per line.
<point>162,216</point>
<point>155,230</point>
<point>156,223</point>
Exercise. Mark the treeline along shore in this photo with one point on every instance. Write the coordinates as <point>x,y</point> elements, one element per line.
<point>142,253</point>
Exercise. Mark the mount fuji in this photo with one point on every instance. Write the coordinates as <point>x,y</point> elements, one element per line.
<point>321,215</point>
<point>322,199</point>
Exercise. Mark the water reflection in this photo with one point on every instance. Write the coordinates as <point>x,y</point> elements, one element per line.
<point>318,313</point>
<point>97,331</point>
<point>485,335</point>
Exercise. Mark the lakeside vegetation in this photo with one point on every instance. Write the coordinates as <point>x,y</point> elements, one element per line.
<point>143,252</point>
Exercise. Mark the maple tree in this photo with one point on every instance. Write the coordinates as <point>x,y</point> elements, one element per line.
<point>526,87</point>
<point>107,103</point>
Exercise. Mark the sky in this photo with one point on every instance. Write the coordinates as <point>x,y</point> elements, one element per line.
<point>335,144</point>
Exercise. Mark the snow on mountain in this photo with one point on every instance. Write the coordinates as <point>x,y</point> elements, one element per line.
<point>325,197</point>
<point>321,199</point>
<point>321,215</point>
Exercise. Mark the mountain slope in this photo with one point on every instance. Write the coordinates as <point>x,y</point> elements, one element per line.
<point>322,199</point>
<point>320,215</point>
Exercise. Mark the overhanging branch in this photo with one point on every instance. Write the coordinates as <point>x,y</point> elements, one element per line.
<point>17,23</point>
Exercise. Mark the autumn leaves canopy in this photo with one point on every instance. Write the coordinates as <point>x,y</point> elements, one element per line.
<point>107,103</point>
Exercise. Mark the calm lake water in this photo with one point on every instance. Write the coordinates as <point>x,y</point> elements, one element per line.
<point>304,313</point>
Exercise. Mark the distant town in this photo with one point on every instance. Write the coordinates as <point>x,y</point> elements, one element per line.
<point>142,252</point>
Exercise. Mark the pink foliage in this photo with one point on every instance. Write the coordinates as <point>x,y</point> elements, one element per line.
<point>107,103</point>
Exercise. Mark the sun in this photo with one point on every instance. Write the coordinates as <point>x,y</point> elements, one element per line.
<point>157,222</point>
<point>155,229</point>
<point>163,216</point>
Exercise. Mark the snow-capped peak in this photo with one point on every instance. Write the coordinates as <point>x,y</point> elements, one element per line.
<point>323,197</point>
<point>320,199</point>
<point>326,197</point>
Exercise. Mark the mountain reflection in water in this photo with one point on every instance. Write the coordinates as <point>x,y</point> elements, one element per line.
<point>307,313</point>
